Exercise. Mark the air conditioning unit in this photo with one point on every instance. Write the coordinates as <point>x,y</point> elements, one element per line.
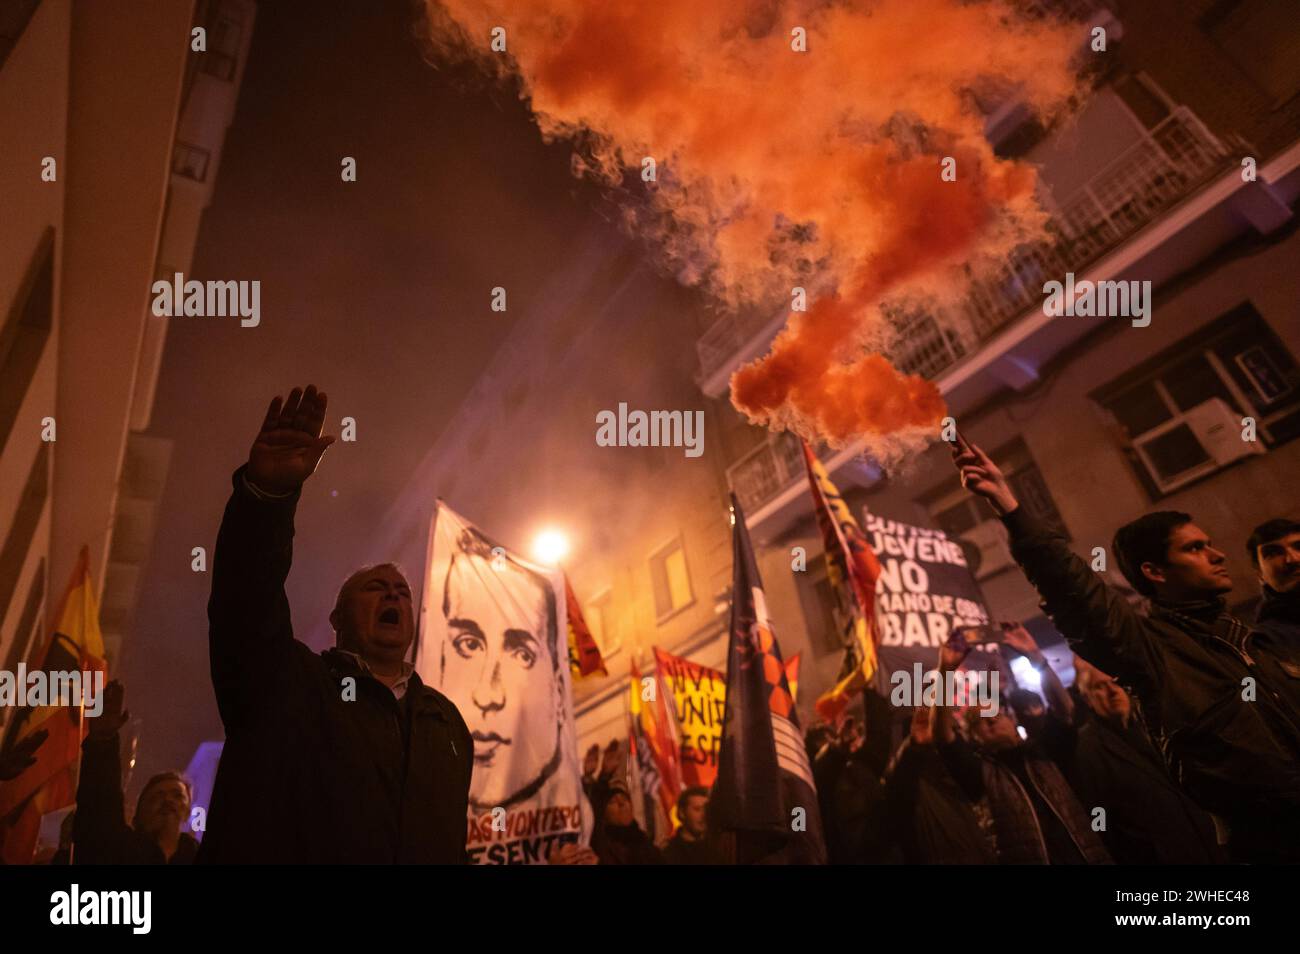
<point>995,551</point>
<point>1212,425</point>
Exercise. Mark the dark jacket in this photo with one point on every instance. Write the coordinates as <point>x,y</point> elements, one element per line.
<point>1278,615</point>
<point>1149,820</point>
<point>624,845</point>
<point>1236,758</point>
<point>929,815</point>
<point>100,833</point>
<point>307,777</point>
<point>703,851</point>
<point>1037,819</point>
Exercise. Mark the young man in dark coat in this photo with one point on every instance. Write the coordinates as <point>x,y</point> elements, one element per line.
<point>100,833</point>
<point>1222,702</point>
<point>1274,550</point>
<point>341,757</point>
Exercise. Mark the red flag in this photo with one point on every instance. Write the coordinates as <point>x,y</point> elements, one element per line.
<point>654,729</point>
<point>584,654</point>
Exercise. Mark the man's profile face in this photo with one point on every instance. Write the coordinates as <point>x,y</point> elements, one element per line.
<point>1193,568</point>
<point>498,670</point>
<point>1279,563</point>
<point>375,617</point>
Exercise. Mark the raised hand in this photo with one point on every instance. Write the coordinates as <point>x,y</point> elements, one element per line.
<point>612,760</point>
<point>112,717</point>
<point>1020,639</point>
<point>591,761</point>
<point>290,445</point>
<point>22,755</point>
<point>982,477</point>
<point>954,651</point>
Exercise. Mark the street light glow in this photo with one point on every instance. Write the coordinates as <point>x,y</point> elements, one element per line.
<point>550,547</point>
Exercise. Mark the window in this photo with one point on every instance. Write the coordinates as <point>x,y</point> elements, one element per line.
<point>18,542</point>
<point>14,16</point>
<point>24,333</point>
<point>825,618</point>
<point>223,49</point>
<point>190,161</point>
<point>1180,414</point>
<point>598,613</point>
<point>672,581</point>
<point>28,627</point>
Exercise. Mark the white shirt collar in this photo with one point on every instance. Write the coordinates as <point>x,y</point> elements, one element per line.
<point>398,687</point>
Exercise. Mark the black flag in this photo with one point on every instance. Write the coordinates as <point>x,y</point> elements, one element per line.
<point>764,791</point>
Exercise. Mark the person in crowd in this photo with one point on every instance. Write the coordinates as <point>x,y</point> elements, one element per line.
<point>1219,698</point>
<point>617,838</point>
<point>1274,550</point>
<point>1036,818</point>
<point>934,822</point>
<point>853,804</point>
<point>1148,819</point>
<point>692,845</point>
<point>100,833</point>
<point>339,757</point>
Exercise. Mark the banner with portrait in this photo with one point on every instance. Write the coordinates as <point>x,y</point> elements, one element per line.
<point>494,640</point>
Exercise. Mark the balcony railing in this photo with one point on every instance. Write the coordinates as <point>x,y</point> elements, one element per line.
<point>1143,181</point>
<point>766,470</point>
<point>1164,166</point>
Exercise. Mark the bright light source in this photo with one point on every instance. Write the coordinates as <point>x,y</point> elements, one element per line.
<point>550,547</point>
<point>1026,674</point>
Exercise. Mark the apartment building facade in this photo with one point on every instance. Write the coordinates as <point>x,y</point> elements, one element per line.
<point>1096,420</point>
<point>114,123</point>
<point>1181,170</point>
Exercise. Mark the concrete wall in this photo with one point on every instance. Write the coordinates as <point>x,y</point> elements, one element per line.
<point>33,114</point>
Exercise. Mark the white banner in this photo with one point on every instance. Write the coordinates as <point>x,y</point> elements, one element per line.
<point>493,640</point>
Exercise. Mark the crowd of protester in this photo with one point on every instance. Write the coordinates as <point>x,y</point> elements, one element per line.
<point>1178,742</point>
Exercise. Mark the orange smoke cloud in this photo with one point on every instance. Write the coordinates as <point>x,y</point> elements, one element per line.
<point>777,168</point>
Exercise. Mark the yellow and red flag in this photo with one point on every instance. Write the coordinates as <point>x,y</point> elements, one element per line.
<point>853,569</point>
<point>654,739</point>
<point>74,644</point>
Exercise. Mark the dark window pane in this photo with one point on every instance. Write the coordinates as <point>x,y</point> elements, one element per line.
<point>1175,452</point>
<point>1139,409</point>
<point>1194,381</point>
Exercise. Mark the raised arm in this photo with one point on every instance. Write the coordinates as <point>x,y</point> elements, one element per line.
<point>99,828</point>
<point>248,613</point>
<point>1100,624</point>
<point>962,763</point>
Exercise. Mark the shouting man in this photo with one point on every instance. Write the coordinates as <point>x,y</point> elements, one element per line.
<point>341,757</point>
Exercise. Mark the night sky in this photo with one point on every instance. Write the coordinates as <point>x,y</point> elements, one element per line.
<point>377,291</point>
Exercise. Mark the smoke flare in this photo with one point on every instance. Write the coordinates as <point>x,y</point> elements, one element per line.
<point>795,144</point>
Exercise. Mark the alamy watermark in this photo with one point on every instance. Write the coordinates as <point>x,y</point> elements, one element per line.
<point>1131,299</point>
<point>39,688</point>
<point>195,299</point>
<point>919,687</point>
<point>626,428</point>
